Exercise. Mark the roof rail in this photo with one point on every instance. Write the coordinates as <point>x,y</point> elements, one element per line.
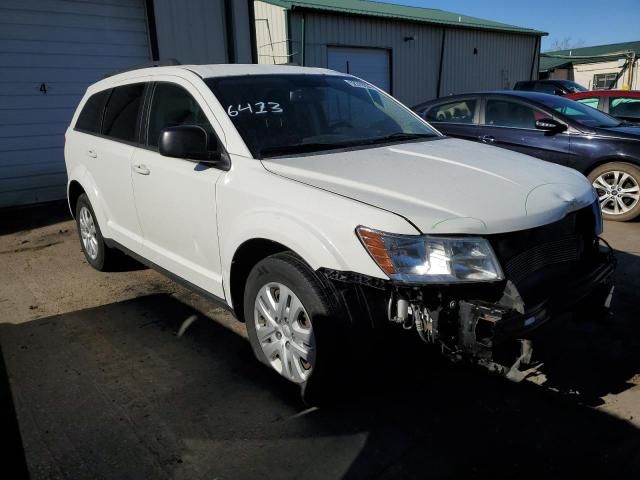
<point>158,63</point>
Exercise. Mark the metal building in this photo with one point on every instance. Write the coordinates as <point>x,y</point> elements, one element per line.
<point>416,54</point>
<point>51,50</point>
<point>601,67</point>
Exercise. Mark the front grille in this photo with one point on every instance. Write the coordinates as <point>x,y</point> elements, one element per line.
<point>566,249</point>
<point>538,260</point>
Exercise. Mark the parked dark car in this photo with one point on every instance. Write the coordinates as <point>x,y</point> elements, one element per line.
<point>553,87</point>
<point>622,104</point>
<point>555,129</point>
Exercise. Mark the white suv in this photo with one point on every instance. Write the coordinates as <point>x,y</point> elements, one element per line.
<point>317,207</point>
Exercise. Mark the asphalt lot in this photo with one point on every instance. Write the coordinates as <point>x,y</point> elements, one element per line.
<point>102,387</point>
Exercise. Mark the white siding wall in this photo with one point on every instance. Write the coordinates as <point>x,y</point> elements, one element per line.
<point>501,60</point>
<point>583,74</point>
<point>271,33</point>
<point>66,45</point>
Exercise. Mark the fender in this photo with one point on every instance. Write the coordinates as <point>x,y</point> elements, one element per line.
<point>316,224</point>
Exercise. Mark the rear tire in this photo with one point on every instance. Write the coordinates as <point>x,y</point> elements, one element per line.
<point>618,187</point>
<point>98,255</point>
<point>292,315</point>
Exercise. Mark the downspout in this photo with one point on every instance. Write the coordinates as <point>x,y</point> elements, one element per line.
<point>304,41</point>
<point>444,32</point>
<point>228,26</point>
<point>536,49</point>
<point>252,31</point>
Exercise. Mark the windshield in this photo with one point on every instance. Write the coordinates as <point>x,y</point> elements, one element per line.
<point>583,114</point>
<point>288,114</point>
<point>573,87</point>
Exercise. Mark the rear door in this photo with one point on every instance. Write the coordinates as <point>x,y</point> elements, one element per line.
<point>510,123</point>
<point>108,157</point>
<point>457,118</point>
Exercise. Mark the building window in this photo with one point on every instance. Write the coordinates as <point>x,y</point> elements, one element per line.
<point>604,81</point>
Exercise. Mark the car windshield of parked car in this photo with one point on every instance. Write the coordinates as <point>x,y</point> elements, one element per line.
<point>573,87</point>
<point>288,114</point>
<point>583,114</point>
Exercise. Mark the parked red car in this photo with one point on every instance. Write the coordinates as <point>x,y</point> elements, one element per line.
<point>622,104</point>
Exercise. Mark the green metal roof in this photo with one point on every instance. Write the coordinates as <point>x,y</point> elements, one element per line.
<point>596,54</point>
<point>401,12</point>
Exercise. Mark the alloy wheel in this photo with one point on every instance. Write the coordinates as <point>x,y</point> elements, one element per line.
<point>618,192</point>
<point>88,232</point>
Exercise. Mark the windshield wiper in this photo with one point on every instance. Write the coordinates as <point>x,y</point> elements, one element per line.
<point>303,148</point>
<point>398,136</point>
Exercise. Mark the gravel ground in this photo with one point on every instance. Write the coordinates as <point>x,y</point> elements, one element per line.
<point>102,387</point>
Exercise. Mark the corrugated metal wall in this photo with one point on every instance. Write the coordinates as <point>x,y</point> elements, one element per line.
<point>195,31</point>
<point>478,60</point>
<point>501,59</point>
<point>271,33</point>
<point>414,63</point>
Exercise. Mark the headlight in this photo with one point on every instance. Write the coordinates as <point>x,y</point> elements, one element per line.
<point>429,259</point>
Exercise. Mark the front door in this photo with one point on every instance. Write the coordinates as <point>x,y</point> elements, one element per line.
<point>176,198</point>
<point>510,124</point>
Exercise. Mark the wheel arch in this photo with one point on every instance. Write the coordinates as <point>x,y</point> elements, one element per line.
<point>603,161</point>
<point>246,256</point>
<point>74,190</point>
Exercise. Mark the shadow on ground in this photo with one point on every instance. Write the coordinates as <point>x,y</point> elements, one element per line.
<point>112,392</point>
<point>16,219</point>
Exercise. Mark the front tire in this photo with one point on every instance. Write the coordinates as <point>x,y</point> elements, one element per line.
<point>618,187</point>
<point>294,323</point>
<point>97,254</point>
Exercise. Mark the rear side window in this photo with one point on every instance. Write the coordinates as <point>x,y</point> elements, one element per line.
<point>461,111</point>
<point>589,102</point>
<point>121,114</point>
<point>625,107</point>
<point>91,115</point>
<point>546,88</point>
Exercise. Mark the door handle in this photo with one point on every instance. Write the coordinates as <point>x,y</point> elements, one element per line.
<point>487,138</point>
<point>141,170</point>
<point>92,153</point>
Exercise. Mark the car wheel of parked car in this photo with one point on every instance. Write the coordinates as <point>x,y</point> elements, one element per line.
<point>292,321</point>
<point>618,187</point>
<point>95,251</point>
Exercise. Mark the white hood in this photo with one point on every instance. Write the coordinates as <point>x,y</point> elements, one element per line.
<point>447,185</point>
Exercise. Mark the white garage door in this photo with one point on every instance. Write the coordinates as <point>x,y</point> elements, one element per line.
<point>371,64</point>
<point>50,51</point>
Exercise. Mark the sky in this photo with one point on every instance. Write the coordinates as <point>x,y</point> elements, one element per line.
<point>588,22</point>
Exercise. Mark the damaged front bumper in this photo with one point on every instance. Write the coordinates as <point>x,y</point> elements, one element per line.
<point>487,325</point>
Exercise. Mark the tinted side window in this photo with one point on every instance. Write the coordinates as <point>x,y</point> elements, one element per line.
<point>454,112</point>
<point>121,115</point>
<point>590,102</point>
<point>91,114</point>
<point>172,105</point>
<point>546,88</point>
<point>523,86</point>
<point>504,113</point>
<point>625,107</point>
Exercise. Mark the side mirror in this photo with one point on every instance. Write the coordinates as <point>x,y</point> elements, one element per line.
<point>550,125</point>
<point>188,142</point>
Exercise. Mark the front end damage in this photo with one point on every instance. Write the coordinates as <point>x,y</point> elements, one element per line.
<point>551,269</point>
